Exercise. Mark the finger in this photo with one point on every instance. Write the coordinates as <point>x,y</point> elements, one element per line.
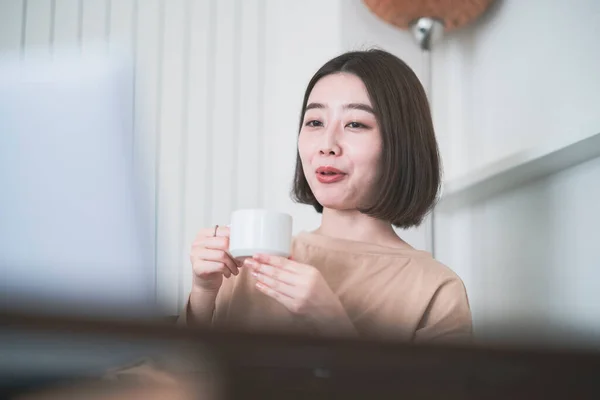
<point>222,231</point>
<point>275,284</point>
<point>217,243</point>
<point>273,273</point>
<point>224,257</point>
<point>217,255</point>
<point>277,261</point>
<point>204,268</point>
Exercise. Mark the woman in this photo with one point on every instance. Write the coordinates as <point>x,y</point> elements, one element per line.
<point>368,161</point>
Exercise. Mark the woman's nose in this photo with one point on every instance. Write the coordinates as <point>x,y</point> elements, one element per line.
<point>330,150</point>
<point>329,145</point>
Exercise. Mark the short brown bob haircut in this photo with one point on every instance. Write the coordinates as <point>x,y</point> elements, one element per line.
<point>409,168</point>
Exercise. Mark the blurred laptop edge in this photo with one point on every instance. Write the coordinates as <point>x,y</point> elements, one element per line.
<point>74,225</point>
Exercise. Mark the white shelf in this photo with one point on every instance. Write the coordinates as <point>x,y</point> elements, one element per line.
<point>518,169</point>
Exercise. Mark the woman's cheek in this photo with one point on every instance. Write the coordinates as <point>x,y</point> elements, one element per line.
<point>304,148</point>
<point>366,161</point>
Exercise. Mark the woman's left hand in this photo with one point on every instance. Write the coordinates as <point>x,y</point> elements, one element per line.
<point>302,290</point>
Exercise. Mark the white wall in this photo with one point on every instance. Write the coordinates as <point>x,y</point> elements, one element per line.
<point>533,253</point>
<point>525,73</point>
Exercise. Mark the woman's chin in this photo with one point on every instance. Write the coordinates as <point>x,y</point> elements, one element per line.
<point>335,204</point>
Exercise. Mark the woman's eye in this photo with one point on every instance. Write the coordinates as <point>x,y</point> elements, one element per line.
<point>314,123</point>
<point>355,125</point>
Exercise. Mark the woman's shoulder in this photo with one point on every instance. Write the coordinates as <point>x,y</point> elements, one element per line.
<point>332,245</point>
<point>403,260</point>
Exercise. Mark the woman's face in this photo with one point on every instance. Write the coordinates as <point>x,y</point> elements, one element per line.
<point>340,142</point>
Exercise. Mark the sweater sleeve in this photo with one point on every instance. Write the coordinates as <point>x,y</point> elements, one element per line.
<point>221,306</point>
<point>448,315</point>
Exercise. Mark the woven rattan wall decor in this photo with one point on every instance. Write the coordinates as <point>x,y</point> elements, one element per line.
<point>452,13</point>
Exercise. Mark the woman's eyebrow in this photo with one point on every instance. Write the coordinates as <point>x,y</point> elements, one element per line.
<point>350,106</point>
<point>314,105</point>
<point>360,106</point>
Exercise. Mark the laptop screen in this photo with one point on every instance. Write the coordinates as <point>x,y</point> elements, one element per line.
<point>73,238</point>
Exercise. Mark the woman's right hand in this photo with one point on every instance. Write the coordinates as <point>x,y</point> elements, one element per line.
<point>210,259</point>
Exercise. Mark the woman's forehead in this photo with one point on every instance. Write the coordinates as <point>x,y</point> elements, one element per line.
<point>338,89</point>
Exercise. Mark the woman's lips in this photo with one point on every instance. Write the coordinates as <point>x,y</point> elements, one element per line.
<point>329,174</point>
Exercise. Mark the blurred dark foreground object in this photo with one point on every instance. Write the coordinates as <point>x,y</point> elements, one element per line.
<point>110,391</point>
<point>50,357</point>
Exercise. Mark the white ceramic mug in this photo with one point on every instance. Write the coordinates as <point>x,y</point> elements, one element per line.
<point>255,231</point>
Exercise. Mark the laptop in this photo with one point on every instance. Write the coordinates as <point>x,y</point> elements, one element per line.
<point>74,239</point>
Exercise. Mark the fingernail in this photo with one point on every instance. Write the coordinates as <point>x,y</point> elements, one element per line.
<point>250,262</point>
<point>255,274</point>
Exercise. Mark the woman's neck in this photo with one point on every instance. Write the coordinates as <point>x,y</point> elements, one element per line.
<point>353,225</point>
